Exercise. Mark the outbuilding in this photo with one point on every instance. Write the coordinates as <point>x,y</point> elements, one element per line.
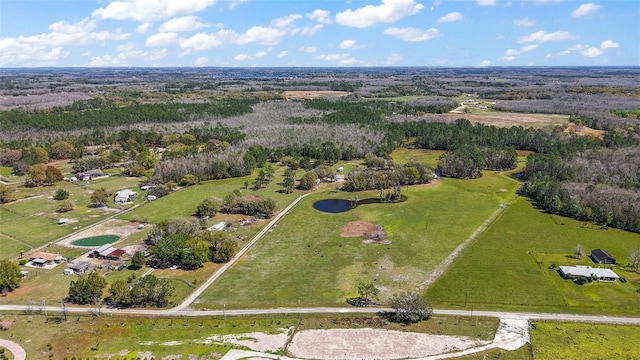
<point>600,256</point>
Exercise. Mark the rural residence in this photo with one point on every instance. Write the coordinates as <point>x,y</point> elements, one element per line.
<point>600,256</point>
<point>90,174</point>
<point>570,272</point>
<point>125,196</point>
<point>43,259</point>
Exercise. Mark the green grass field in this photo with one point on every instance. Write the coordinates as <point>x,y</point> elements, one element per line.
<point>183,203</point>
<point>551,340</point>
<point>403,155</point>
<point>304,260</point>
<point>508,267</point>
<point>10,247</point>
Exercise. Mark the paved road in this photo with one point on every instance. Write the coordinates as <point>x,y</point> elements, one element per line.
<point>17,350</point>
<point>603,319</point>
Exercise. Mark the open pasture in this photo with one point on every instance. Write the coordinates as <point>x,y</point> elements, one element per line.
<point>305,261</point>
<point>509,267</point>
<point>553,340</point>
<point>404,155</point>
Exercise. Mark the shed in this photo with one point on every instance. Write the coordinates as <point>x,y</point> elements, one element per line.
<point>68,271</point>
<point>600,256</point>
<point>80,266</point>
<point>218,226</point>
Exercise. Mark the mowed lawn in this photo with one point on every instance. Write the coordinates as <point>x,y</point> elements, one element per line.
<point>552,340</point>
<point>10,247</point>
<point>509,267</point>
<point>305,261</point>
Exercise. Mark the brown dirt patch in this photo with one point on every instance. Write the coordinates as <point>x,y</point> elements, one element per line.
<point>314,94</point>
<point>118,227</point>
<point>357,228</point>
<point>374,344</point>
<point>504,119</point>
<point>581,130</point>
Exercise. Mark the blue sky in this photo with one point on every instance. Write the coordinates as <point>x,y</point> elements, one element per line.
<point>244,33</point>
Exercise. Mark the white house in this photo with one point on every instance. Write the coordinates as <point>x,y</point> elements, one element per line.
<point>125,196</point>
<point>588,271</point>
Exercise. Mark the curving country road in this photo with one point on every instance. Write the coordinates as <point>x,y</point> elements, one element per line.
<point>14,348</point>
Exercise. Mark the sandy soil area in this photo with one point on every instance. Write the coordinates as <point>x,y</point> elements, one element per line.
<point>357,228</point>
<point>258,341</point>
<point>374,344</point>
<point>314,94</point>
<point>118,227</point>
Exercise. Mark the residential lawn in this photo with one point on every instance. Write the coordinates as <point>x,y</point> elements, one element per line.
<point>553,340</point>
<point>183,203</point>
<point>404,155</point>
<point>509,267</point>
<point>34,222</point>
<point>10,247</point>
<point>304,261</point>
<point>524,353</point>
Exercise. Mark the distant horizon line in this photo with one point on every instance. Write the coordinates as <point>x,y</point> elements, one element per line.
<point>322,67</point>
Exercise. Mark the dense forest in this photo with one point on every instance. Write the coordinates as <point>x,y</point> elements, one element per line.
<point>175,127</point>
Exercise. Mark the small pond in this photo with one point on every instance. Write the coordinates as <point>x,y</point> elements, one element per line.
<point>96,240</point>
<point>333,206</point>
<point>336,206</point>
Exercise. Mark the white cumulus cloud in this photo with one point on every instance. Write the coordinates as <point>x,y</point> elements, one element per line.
<point>127,55</point>
<point>542,36</point>
<point>182,24</point>
<point>47,48</point>
<point>526,22</point>
<point>161,39</point>
<point>585,9</point>
<point>591,52</point>
<point>609,44</point>
<point>242,57</point>
<point>393,59</point>
<point>412,34</point>
<point>387,12</point>
<point>201,61</point>
<point>204,41</point>
<point>450,17</point>
<point>347,44</point>
<point>321,16</point>
<point>308,50</point>
<point>143,28</point>
<point>484,63</point>
<point>511,54</point>
<point>486,2</point>
<point>146,10</point>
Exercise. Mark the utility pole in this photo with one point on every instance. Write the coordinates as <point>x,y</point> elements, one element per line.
<point>224,308</point>
<point>466,293</point>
